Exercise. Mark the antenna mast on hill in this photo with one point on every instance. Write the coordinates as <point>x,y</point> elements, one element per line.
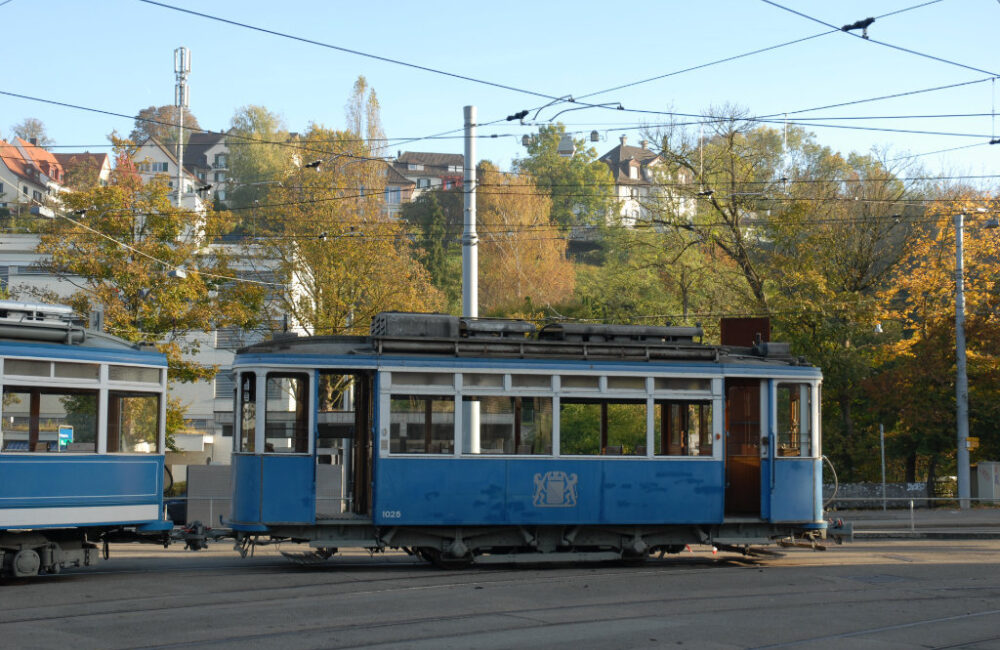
<point>182,68</point>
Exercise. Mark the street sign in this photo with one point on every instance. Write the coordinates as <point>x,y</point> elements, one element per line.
<point>972,443</point>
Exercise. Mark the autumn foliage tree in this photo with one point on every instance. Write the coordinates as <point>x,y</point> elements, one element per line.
<point>326,237</point>
<point>915,384</point>
<point>522,255</point>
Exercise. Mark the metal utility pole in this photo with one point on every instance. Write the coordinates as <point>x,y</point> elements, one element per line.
<point>471,440</point>
<point>961,376</point>
<point>182,68</point>
<point>470,241</point>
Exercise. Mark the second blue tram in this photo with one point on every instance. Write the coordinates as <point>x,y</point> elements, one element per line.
<point>81,441</point>
<point>465,440</point>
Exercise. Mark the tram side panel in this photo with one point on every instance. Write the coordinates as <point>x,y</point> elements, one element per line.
<point>604,491</point>
<point>49,491</point>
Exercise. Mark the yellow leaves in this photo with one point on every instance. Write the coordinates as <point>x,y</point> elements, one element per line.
<point>522,254</point>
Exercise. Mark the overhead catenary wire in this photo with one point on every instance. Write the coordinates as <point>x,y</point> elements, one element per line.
<point>882,43</point>
<point>700,119</point>
<point>742,55</point>
<point>348,50</point>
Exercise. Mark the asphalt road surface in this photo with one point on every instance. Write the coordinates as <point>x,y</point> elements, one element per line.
<point>873,594</point>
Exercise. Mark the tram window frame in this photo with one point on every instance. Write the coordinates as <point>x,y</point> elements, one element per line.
<point>429,443</point>
<point>672,428</point>
<point>683,385</point>
<point>335,422</point>
<point>135,374</point>
<point>246,442</point>
<point>611,441</point>
<point>530,428</point>
<point>299,438</point>
<point>794,419</point>
<point>34,442</point>
<point>116,437</point>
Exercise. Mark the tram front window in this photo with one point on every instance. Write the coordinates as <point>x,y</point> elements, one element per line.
<point>794,419</point>
<point>286,421</point>
<point>133,423</point>
<point>248,412</point>
<point>43,420</point>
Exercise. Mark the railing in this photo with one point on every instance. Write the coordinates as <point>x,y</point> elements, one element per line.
<point>865,502</point>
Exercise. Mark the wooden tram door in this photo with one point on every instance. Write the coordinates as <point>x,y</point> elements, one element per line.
<point>743,447</point>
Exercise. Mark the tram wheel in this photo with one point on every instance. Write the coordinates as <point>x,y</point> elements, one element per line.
<point>442,561</point>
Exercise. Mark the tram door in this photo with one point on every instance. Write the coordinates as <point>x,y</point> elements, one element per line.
<point>343,443</point>
<point>743,447</point>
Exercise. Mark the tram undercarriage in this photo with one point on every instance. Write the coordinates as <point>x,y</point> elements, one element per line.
<point>450,547</point>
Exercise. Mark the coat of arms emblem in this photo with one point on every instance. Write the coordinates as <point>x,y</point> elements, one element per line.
<point>555,489</point>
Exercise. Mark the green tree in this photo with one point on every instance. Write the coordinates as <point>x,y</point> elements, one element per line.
<point>436,216</point>
<point>259,157</point>
<point>579,186</point>
<point>160,123</point>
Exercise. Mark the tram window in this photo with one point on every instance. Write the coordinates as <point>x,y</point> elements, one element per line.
<point>26,368</point>
<point>422,424</point>
<point>77,370</point>
<point>422,379</point>
<point>683,428</point>
<point>335,411</point>
<point>133,423</point>
<point>482,380</point>
<point>132,373</point>
<point>33,419</point>
<point>508,425</point>
<point>592,427</point>
<point>627,383</point>
<point>531,381</point>
<point>682,383</point>
<point>286,420</point>
<point>248,412</point>
<point>580,382</point>
<point>794,420</point>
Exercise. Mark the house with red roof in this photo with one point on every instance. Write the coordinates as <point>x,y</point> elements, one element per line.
<point>28,174</point>
<point>85,165</point>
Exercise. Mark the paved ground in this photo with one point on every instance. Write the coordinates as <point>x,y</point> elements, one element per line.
<point>877,594</point>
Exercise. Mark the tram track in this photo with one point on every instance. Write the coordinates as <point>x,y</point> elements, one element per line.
<point>796,599</point>
<point>531,619</point>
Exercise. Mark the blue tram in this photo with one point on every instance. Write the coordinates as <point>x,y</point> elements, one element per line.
<point>466,440</point>
<point>81,440</point>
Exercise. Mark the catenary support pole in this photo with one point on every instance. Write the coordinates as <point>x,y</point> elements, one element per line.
<point>961,377</point>
<point>470,271</point>
<point>470,241</point>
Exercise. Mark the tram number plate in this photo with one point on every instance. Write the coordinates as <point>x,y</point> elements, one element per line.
<point>391,514</point>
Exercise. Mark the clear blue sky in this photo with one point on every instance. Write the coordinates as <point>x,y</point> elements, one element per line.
<point>117,55</point>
